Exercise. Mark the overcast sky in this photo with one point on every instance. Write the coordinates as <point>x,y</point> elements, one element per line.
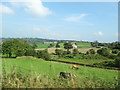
<point>88,21</point>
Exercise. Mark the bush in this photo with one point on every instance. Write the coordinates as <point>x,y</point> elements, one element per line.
<point>92,56</point>
<point>118,54</point>
<point>112,56</point>
<point>66,52</point>
<point>106,64</point>
<point>117,62</point>
<point>43,54</point>
<point>104,52</point>
<point>115,51</point>
<point>59,52</point>
<point>75,51</point>
<point>30,53</point>
<point>91,51</point>
<point>69,56</point>
<point>57,45</point>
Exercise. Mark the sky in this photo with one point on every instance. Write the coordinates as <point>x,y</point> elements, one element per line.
<point>87,21</point>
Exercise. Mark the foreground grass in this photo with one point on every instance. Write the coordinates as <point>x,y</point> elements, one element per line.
<point>36,73</point>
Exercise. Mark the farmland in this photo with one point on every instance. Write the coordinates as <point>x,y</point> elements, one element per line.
<point>79,44</point>
<point>26,66</point>
<point>86,77</point>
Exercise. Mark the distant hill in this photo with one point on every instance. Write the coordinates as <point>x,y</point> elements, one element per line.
<point>37,40</point>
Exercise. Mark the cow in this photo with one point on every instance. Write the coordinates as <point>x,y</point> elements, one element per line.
<point>75,66</point>
<point>65,75</point>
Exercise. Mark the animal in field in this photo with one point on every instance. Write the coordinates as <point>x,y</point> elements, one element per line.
<point>65,75</point>
<point>75,66</point>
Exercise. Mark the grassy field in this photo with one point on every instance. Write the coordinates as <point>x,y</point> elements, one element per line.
<point>82,61</point>
<point>83,45</point>
<point>86,77</point>
<point>79,44</point>
<point>82,50</point>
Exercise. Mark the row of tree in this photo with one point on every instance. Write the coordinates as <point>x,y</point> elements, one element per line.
<point>113,45</point>
<point>20,47</point>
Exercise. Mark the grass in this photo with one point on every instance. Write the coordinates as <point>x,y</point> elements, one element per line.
<point>78,59</point>
<point>84,45</point>
<point>82,50</point>
<point>39,73</point>
<point>79,44</point>
<point>85,61</point>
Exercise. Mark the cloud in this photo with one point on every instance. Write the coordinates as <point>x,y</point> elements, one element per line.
<point>5,10</point>
<point>99,33</point>
<point>76,18</point>
<point>34,7</point>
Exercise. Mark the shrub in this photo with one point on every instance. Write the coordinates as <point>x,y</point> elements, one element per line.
<point>115,51</point>
<point>104,52</point>
<point>43,54</point>
<point>91,51</point>
<point>92,56</point>
<point>106,64</point>
<point>30,53</point>
<point>117,62</point>
<point>57,45</point>
<point>59,52</point>
<point>75,51</point>
<point>66,52</point>
<point>51,45</point>
<point>118,54</point>
<point>69,56</point>
<point>112,56</point>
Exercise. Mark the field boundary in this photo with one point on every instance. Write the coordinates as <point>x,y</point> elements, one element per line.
<point>83,64</point>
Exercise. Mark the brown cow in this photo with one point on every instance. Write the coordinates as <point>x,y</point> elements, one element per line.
<point>75,66</point>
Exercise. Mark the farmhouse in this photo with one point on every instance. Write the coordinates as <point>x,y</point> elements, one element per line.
<point>74,46</point>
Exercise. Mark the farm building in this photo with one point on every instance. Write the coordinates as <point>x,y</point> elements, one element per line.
<point>74,46</point>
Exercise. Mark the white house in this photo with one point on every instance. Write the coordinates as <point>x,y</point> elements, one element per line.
<point>74,46</point>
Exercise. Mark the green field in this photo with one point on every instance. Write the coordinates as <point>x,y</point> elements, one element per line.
<point>79,44</point>
<point>84,61</point>
<point>86,76</point>
<point>84,45</point>
<point>82,50</point>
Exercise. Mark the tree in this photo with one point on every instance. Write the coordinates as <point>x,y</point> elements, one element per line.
<point>75,51</point>
<point>43,54</point>
<point>57,45</point>
<point>94,44</point>
<point>104,52</point>
<point>59,52</point>
<point>117,60</point>
<point>15,47</point>
<point>34,45</point>
<point>91,51</point>
<point>51,45</point>
<point>114,45</point>
<point>68,46</point>
<point>30,52</point>
<point>115,51</point>
<point>7,48</point>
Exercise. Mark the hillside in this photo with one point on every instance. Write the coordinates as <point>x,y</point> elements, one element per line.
<point>37,40</point>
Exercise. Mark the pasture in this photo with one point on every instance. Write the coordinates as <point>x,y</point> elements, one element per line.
<point>85,77</point>
<point>79,44</point>
<point>84,61</point>
<point>82,50</point>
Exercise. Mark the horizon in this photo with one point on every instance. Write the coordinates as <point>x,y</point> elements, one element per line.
<point>56,39</point>
<point>85,21</point>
